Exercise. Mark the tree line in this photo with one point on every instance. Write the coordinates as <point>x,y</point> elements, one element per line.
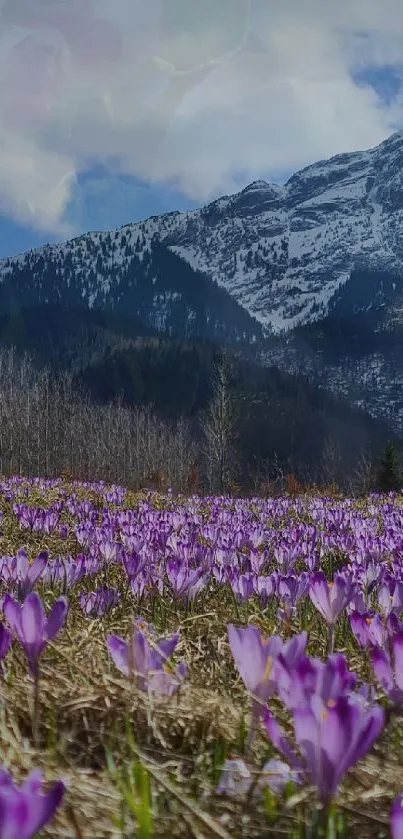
<point>49,426</point>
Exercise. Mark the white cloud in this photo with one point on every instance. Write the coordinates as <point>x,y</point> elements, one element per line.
<point>183,91</point>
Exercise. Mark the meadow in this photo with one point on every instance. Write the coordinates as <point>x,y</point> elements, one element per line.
<point>199,667</point>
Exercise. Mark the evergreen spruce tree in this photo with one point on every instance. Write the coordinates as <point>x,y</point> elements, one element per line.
<point>389,478</point>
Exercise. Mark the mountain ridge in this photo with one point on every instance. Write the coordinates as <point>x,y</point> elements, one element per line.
<point>283,252</point>
<point>253,269</point>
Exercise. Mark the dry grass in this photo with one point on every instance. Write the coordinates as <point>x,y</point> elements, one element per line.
<point>85,708</point>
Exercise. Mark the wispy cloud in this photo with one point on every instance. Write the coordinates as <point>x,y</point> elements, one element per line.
<point>185,92</point>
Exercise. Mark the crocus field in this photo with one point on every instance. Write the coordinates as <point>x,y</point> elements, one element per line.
<point>199,667</point>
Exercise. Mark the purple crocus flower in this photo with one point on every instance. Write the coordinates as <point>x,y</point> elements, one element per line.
<point>64,531</point>
<point>109,551</point>
<point>264,587</point>
<point>5,641</point>
<point>290,590</point>
<point>393,625</point>
<point>17,570</point>
<point>29,624</point>
<point>358,603</point>
<point>242,585</point>
<point>27,515</point>
<point>255,655</point>
<point>186,582</point>
<point>331,739</point>
<point>390,677</point>
<point>27,575</point>
<point>133,563</point>
<point>148,662</point>
<point>97,603</point>
<point>139,585</point>
<point>235,780</point>
<point>396,818</point>
<point>390,596</point>
<point>27,809</point>
<point>330,599</point>
<point>312,677</point>
<point>51,521</point>
<point>286,556</point>
<point>276,774</point>
<point>368,629</point>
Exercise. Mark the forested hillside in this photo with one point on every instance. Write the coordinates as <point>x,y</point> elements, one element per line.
<point>280,423</point>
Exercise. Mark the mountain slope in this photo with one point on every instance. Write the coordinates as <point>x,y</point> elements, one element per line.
<point>253,269</point>
<point>282,252</point>
<point>281,419</point>
<point>150,285</point>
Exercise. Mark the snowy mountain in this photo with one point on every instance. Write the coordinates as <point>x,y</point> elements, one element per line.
<point>283,252</point>
<point>286,253</point>
<point>256,268</point>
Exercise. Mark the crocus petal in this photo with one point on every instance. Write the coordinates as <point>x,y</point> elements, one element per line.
<point>235,780</point>
<point>393,625</point>
<point>33,782</point>
<point>5,641</point>
<point>160,683</point>
<point>142,658</point>
<point>319,594</point>
<point>336,736</point>
<point>396,820</point>
<point>32,619</point>
<point>382,669</point>
<point>280,740</point>
<point>397,645</point>
<point>56,618</point>
<point>359,627</point>
<point>294,649</point>
<point>307,733</point>
<point>249,656</point>
<point>46,806</point>
<point>335,678</point>
<point>6,779</point>
<point>385,600</point>
<point>12,611</point>
<point>167,647</point>
<point>276,774</point>
<point>37,568</point>
<point>377,632</point>
<point>119,650</point>
<point>366,733</point>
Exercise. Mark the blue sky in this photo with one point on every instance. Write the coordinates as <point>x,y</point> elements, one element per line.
<point>102,202</point>
<point>112,112</point>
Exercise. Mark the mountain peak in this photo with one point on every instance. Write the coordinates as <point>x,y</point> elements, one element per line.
<point>283,252</point>
<point>263,187</point>
<point>257,185</point>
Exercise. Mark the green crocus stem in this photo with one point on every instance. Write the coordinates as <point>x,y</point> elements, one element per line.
<point>35,720</point>
<point>323,821</point>
<point>332,632</point>
<point>251,735</point>
<point>238,614</point>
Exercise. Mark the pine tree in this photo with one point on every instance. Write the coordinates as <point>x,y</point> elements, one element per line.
<point>389,478</point>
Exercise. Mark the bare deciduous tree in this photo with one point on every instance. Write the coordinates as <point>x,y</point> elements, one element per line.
<point>363,475</point>
<point>332,461</point>
<point>219,431</point>
<point>48,427</point>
